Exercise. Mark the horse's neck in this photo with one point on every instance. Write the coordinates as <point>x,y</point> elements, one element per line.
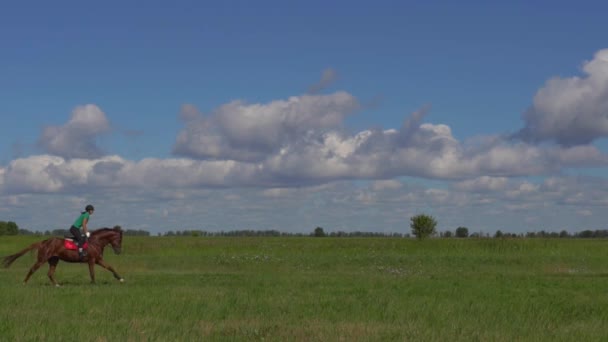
<point>103,239</point>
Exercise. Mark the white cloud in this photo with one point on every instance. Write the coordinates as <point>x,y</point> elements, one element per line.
<point>52,174</point>
<point>571,111</point>
<point>77,138</point>
<point>251,132</point>
<point>33,174</point>
<point>315,153</point>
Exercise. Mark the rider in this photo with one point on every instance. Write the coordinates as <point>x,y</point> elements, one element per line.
<point>80,226</point>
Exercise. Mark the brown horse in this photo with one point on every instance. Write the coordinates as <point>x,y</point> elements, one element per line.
<point>52,250</point>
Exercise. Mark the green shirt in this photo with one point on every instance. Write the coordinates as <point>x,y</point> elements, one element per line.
<point>80,219</point>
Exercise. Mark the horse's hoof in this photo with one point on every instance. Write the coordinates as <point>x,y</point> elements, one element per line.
<point>121,280</point>
<point>57,285</point>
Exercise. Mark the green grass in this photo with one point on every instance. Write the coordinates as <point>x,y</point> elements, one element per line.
<point>316,289</point>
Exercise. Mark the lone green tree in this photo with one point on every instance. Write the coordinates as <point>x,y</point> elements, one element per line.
<point>423,226</point>
<point>462,232</point>
<point>319,232</point>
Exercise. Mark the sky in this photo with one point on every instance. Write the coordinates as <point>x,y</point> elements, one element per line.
<point>348,115</point>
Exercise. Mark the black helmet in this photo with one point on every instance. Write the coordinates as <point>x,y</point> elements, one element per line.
<point>89,207</point>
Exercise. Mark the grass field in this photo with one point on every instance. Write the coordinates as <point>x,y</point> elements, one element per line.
<point>316,289</point>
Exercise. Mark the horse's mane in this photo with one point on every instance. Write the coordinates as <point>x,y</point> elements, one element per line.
<point>105,229</point>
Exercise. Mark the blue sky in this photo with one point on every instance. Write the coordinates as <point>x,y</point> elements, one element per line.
<point>194,114</point>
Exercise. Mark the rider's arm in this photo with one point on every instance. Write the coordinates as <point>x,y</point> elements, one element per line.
<point>84,226</point>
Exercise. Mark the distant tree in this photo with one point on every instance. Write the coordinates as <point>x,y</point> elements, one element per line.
<point>447,234</point>
<point>60,232</point>
<point>600,233</point>
<point>462,232</point>
<point>423,226</point>
<point>498,234</point>
<point>12,228</point>
<point>138,232</point>
<point>586,234</point>
<point>8,228</point>
<point>319,232</point>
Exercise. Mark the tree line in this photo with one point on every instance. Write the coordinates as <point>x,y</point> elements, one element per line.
<point>422,226</point>
<point>59,232</point>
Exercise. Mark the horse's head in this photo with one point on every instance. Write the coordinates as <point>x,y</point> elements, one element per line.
<point>116,240</point>
<point>105,236</point>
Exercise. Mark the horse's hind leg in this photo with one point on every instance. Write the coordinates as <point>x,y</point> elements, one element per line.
<point>52,266</point>
<point>32,270</point>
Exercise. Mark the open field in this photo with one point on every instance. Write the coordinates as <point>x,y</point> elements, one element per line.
<point>316,289</point>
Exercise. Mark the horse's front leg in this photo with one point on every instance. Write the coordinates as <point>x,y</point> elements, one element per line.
<point>103,264</point>
<point>92,270</point>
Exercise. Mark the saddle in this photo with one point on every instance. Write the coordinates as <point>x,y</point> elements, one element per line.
<point>70,242</point>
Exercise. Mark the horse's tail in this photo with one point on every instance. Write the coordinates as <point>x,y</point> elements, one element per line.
<point>7,261</point>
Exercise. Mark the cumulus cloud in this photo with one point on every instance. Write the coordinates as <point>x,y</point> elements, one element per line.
<point>253,150</point>
<point>422,150</point>
<point>77,138</point>
<point>53,174</point>
<point>314,150</point>
<point>328,77</point>
<point>251,132</point>
<point>571,111</point>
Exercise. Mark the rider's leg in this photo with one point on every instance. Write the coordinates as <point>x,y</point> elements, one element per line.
<point>79,240</point>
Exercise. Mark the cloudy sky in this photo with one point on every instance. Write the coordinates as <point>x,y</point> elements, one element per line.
<point>349,115</point>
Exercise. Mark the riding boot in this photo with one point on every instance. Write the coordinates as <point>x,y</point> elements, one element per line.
<point>81,253</point>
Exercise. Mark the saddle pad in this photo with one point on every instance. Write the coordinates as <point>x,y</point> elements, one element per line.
<point>71,244</point>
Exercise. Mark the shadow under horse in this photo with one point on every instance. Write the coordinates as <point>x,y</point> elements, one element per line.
<point>52,250</point>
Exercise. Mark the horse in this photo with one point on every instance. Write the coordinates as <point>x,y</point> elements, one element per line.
<point>54,249</point>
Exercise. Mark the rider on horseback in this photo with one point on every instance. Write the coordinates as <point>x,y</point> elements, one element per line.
<point>80,226</point>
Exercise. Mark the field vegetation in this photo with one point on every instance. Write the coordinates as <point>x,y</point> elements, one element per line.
<point>315,289</point>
